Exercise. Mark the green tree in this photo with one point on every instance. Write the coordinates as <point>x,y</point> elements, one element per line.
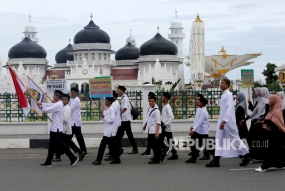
<point>257,84</point>
<point>270,74</point>
<point>174,85</point>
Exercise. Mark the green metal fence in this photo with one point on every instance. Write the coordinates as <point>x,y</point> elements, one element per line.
<point>11,112</point>
<point>183,102</point>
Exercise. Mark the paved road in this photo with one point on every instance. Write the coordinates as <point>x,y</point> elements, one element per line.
<point>20,171</point>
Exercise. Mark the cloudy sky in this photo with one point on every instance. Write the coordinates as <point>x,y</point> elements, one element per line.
<point>244,26</point>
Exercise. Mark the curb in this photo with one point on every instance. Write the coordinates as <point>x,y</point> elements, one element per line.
<point>89,142</point>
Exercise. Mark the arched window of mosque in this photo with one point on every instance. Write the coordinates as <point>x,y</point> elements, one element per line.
<point>175,31</point>
<point>73,85</point>
<point>100,70</point>
<point>99,56</point>
<point>75,56</point>
<point>84,88</point>
<point>105,56</point>
<point>93,56</point>
<point>80,56</point>
<point>86,56</point>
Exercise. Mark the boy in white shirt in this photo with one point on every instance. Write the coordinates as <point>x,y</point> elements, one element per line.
<point>154,130</point>
<point>200,129</point>
<point>109,118</point>
<point>166,125</point>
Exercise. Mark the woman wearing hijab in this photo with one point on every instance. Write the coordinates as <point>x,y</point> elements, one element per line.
<point>241,112</point>
<point>282,96</point>
<point>256,133</point>
<point>256,98</point>
<point>274,125</point>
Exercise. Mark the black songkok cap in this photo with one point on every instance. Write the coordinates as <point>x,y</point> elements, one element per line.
<point>166,94</point>
<point>58,93</point>
<point>75,89</point>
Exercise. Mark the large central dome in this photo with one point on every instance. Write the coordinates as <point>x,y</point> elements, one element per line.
<point>128,52</point>
<point>158,46</point>
<point>91,34</point>
<point>27,49</point>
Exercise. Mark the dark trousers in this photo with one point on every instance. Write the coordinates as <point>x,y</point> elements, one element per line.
<point>55,142</point>
<point>126,126</point>
<point>114,149</point>
<point>156,146</point>
<point>199,140</point>
<point>148,148</point>
<point>79,137</point>
<point>169,137</point>
<point>67,139</point>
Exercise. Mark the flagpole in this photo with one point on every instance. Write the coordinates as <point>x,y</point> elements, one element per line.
<point>39,87</point>
<point>24,86</point>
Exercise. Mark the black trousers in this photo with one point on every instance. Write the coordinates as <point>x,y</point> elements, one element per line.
<point>156,146</point>
<point>114,149</point>
<point>126,126</point>
<point>76,130</point>
<point>67,139</point>
<point>169,137</point>
<point>55,142</point>
<point>148,148</point>
<point>199,140</point>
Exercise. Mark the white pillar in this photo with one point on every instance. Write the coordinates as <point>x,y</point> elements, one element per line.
<point>145,90</point>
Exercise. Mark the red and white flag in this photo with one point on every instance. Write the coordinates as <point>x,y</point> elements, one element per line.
<point>20,90</point>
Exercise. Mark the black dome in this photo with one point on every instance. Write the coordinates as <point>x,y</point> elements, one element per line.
<point>128,52</point>
<point>91,34</point>
<point>158,45</point>
<point>27,49</point>
<point>62,56</point>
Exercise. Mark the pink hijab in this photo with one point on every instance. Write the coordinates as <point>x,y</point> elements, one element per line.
<point>275,114</point>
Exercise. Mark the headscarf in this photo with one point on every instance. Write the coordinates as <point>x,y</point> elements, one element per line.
<point>282,96</point>
<point>275,114</point>
<point>256,91</point>
<point>264,97</point>
<point>241,102</point>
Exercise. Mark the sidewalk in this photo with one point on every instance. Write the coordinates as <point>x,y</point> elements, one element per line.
<point>91,140</point>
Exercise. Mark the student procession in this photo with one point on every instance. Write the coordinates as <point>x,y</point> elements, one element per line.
<point>267,126</point>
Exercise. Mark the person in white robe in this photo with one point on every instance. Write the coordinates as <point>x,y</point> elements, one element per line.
<point>228,142</point>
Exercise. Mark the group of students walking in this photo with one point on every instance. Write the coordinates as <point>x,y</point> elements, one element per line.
<point>265,137</point>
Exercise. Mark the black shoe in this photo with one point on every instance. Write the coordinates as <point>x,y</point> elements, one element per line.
<point>153,162</point>
<point>173,157</point>
<point>190,154</point>
<point>81,156</point>
<point>145,155</point>
<point>121,151</point>
<point>108,154</point>
<point>56,160</point>
<point>96,162</point>
<point>204,158</point>
<point>213,164</point>
<point>133,152</point>
<point>108,159</point>
<point>45,165</point>
<point>245,161</point>
<point>116,162</point>
<point>191,160</point>
<point>73,162</point>
<point>163,154</point>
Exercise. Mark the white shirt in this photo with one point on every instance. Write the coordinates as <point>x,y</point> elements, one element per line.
<point>201,122</point>
<point>167,117</point>
<point>57,115</point>
<point>109,119</point>
<point>125,104</point>
<point>67,120</point>
<point>117,122</point>
<point>152,120</point>
<point>75,108</point>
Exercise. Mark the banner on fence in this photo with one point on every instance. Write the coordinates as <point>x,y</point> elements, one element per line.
<point>100,87</point>
<point>247,78</point>
<point>58,84</point>
<point>37,94</point>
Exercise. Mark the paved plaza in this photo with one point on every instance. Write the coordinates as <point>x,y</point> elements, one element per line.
<point>20,171</point>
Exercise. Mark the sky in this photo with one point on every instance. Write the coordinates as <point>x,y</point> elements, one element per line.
<point>244,26</point>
